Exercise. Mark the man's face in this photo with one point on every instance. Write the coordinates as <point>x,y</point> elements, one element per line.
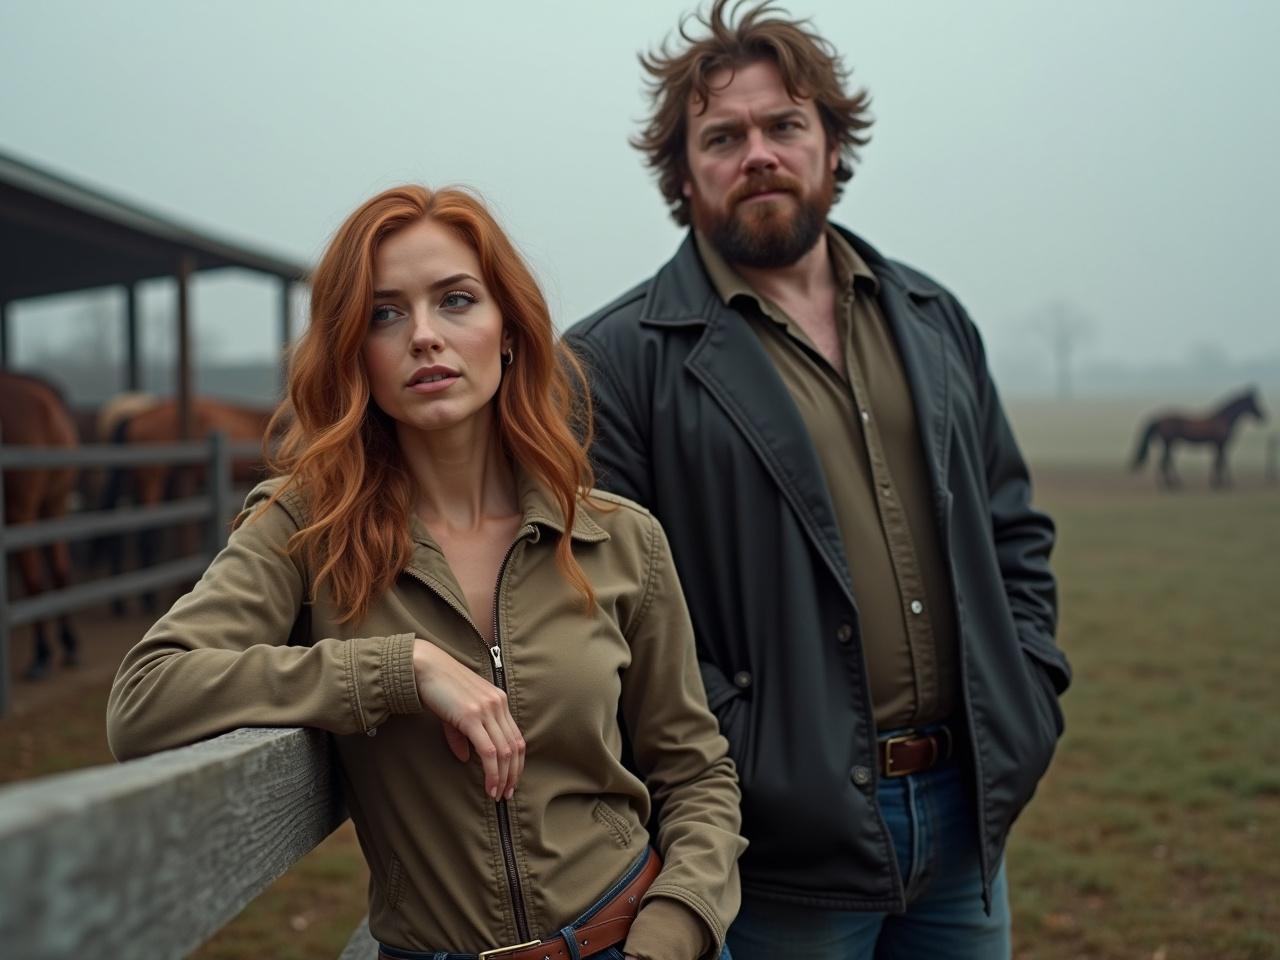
<point>761,173</point>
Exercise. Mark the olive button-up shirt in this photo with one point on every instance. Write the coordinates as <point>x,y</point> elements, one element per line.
<point>861,419</point>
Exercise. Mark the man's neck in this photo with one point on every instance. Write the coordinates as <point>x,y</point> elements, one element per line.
<point>808,279</point>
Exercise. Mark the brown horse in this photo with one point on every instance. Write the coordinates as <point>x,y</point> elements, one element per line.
<point>33,413</point>
<point>157,422</point>
<point>1215,428</point>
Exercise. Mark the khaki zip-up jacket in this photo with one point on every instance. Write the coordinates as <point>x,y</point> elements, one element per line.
<point>451,869</point>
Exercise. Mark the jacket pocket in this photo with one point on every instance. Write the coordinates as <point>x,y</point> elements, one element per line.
<point>617,826</point>
<point>1048,695</point>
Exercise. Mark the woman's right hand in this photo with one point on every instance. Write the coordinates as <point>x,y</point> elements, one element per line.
<point>474,713</point>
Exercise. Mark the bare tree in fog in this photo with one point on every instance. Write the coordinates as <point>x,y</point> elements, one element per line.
<point>1064,326</point>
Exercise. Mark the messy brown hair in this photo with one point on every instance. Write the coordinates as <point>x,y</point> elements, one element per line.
<point>810,68</point>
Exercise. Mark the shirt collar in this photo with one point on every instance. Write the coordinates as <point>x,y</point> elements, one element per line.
<point>850,269</point>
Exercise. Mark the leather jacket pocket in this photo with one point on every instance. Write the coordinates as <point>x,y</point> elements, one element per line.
<point>1048,696</point>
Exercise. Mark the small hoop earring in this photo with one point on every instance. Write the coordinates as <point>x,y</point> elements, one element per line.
<point>508,356</point>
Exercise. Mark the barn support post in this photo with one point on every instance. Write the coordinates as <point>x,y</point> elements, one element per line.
<point>286,313</point>
<point>184,379</point>
<point>219,491</point>
<point>132,370</point>
<point>4,606</point>
<point>6,345</point>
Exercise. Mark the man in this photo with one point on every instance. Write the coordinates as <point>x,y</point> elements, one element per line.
<point>816,428</point>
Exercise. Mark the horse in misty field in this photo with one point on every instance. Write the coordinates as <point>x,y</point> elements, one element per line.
<point>1216,428</point>
<point>140,420</point>
<point>33,413</point>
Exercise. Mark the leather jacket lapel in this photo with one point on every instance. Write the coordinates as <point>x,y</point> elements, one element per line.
<point>733,367</point>
<point>922,347</point>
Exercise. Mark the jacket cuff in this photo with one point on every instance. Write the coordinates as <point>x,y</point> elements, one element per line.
<point>666,929</point>
<point>380,679</point>
<point>397,670</point>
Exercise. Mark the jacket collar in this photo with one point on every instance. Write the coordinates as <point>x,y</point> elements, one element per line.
<point>682,294</point>
<point>733,367</point>
<point>541,510</point>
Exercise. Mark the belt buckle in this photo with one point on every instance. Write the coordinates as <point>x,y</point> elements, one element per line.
<point>886,754</point>
<point>486,954</point>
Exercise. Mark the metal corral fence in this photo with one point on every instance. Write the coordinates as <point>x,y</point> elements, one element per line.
<point>214,508</point>
<point>149,858</point>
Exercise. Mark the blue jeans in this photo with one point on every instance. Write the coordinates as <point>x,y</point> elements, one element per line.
<point>609,953</point>
<point>931,819</point>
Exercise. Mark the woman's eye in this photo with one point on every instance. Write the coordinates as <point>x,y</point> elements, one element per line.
<point>383,315</point>
<point>456,300</point>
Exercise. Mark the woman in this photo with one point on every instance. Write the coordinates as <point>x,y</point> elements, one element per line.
<point>451,587</point>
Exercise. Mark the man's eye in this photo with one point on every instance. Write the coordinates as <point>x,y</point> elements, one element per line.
<point>718,140</point>
<point>456,299</point>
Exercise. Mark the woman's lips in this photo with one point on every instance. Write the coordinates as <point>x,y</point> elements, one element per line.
<point>435,386</point>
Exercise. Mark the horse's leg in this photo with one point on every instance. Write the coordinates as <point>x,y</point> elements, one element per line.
<point>33,580</point>
<point>1220,476</point>
<point>60,567</point>
<point>41,654</point>
<point>1166,465</point>
<point>58,554</point>
<point>114,544</point>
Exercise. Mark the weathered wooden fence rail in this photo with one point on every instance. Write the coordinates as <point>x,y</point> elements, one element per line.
<point>214,508</point>
<point>150,858</point>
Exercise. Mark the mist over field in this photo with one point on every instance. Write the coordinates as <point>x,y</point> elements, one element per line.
<point>1095,181</point>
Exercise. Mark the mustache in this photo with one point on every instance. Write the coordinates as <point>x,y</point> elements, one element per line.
<point>764,184</point>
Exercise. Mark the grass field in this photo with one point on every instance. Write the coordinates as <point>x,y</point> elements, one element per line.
<point>1157,832</point>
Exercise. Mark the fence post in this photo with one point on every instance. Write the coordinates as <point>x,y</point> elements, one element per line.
<point>4,605</point>
<point>219,491</point>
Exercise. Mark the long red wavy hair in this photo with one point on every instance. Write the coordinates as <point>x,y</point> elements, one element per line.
<point>340,449</point>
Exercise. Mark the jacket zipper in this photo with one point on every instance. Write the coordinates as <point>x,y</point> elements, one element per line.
<point>500,681</point>
<point>504,813</point>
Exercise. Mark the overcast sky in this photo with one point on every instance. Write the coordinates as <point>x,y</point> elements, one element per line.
<point>1118,155</point>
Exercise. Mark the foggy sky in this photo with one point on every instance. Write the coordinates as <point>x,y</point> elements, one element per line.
<point>1119,156</point>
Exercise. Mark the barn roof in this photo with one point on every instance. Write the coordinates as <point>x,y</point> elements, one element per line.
<point>57,236</point>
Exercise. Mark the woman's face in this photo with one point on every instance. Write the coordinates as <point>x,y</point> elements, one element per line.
<point>433,350</point>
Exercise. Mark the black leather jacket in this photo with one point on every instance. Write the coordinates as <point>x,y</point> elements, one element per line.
<point>693,421</point>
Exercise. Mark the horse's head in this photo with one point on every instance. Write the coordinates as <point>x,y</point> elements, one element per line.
<point>1253,405</point>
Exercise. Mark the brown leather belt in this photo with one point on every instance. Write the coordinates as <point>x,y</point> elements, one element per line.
<point>911,752</point>
<point>607,927</point>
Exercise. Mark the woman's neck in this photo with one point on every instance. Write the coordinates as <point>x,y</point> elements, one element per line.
<point>462,476</point>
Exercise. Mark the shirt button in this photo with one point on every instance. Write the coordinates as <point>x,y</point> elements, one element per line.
<point>845,633</point>
<point>742,679</point>
<point>917,606</point>
<point>371,732</point>
<point>866,417</point>
<point>860,775</point>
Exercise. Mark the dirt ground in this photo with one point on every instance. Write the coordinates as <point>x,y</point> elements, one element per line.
<point>104,640</point>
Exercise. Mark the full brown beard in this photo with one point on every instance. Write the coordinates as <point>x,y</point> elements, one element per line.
<point>769,234</point>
